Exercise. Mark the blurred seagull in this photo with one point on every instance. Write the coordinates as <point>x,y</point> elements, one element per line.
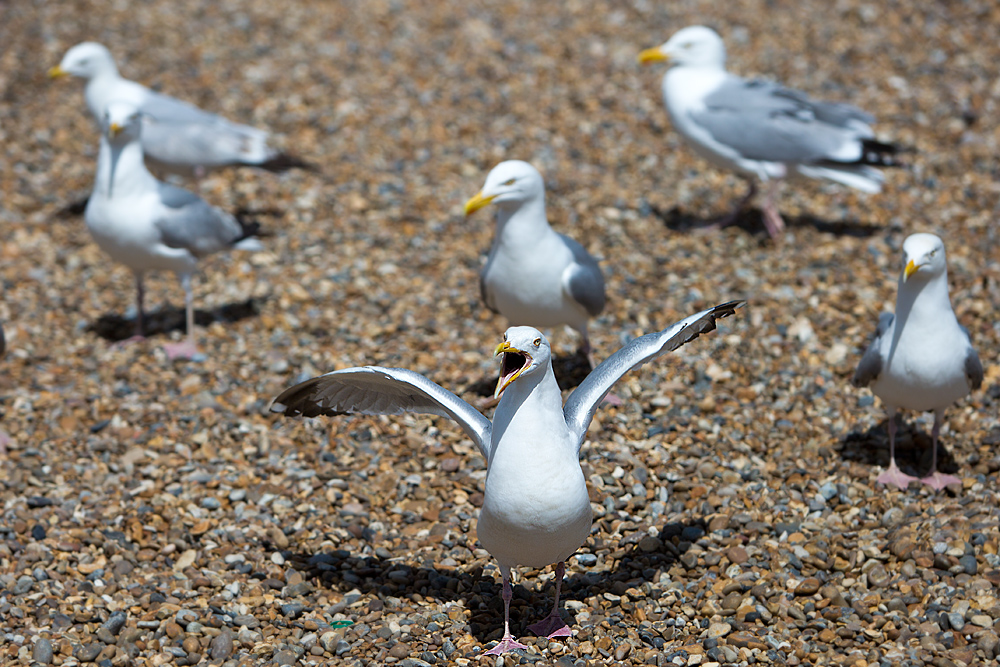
<point>921,358</point>
<point>536,509</point>
<point>148,225</point>
<point>184,139</point>
<point>535,276</point>
<point>761,129</point>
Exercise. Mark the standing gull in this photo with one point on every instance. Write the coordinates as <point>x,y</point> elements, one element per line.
<point>148,225</point>
<point>182,138</point>
<point>536,509</point>
<point>921,358</point>
<point>761,129</point>
<point>535,276</point>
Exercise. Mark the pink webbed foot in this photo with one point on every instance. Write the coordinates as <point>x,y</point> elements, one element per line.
<point>551,626</point>
<point>508,643</point>
<point>186,351</point>
<point>939,480</point>
<point>895,477</point>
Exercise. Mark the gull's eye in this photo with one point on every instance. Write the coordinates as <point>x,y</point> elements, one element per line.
<point>505,336</point>
<point>688,45</point>
<point>509,181</point>
<point>538,341</point>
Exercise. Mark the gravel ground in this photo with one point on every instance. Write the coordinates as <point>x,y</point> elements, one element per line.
<point>154,513</point>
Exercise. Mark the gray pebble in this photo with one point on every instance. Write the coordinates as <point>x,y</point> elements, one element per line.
<point>42,653</point>
<point>105,635</point>
<point>210,503</point>
<point>293,609</point>
<point>342,647</point>
<point>116,622</point>
<point>88,652</point>
<point>221,646</point>
<point>892,517</point>
<point>586,560</point>
<point>969,565</point>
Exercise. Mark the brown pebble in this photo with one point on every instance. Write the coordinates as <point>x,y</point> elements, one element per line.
<point>807,586</point>
<point>172,629</point>
<point>277,537</point>
<point>191,644</point>
<point>400,651</point>
<point>737,555</point>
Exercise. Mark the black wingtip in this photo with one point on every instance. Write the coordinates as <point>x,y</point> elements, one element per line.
<point>882,154</point>
<point>283,162</point>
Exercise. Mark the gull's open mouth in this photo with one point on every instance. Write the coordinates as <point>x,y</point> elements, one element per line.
<point>512,364</point>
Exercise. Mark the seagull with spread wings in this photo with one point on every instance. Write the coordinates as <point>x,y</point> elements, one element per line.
<point>536,509</point>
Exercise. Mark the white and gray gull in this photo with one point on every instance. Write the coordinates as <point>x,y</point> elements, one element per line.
<point>535,276</point>
<point>761,129</point>
<point>921,358</point>
<point>179,138</point>
<point>536,509</point>
<point>148,225</point>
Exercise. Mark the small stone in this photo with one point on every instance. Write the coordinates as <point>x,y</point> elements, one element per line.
<point>105,635</point>
<point>689,560</point>
<point>807,586</point>
<point>42,652</point>
<point>221,646</point>
<point>116,622</point>
<point>737,555</point>
<point>191,645</point>
<point>285,657</point>
<point>649,544</point>
<point>277,537</point>
<point>968,563</point>
<point>893,517</point>
<point>989,644</point>
<point>717,630</point>
<point>292,610</point>
<point>399,651</point>
<point>878,576</point>
<point>172,629</point>
<point>88,652</point>
<point>586,560</point>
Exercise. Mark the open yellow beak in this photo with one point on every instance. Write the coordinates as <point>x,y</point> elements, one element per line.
<point>653,55</point>
<point>504,382</point>
<point>910,269</point>
<point>57,72</point>
<point>114,130</point>
<point>477,203</point>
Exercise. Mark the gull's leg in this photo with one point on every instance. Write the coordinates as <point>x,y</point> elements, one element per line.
<point>552,626</point>
<point>731,217</point>
<point>508,643</point>
<point>894,475</point>
<point>140,329</point>
<point>772,219</point>
<point>938,480</point>
<point>186,350</point>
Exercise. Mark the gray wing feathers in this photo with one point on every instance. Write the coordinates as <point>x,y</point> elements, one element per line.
<point>764,121</point>
<point>182,133</point>
<point>583,279</point>
<point>871,362</point>
<point>374,390</point>
<point>583,402</point>
<point>973,367</point>
<point>189,222</point>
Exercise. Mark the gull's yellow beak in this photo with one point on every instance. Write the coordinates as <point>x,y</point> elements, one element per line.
<point>911,268</point>
<point>114,130</point>
<point>477,203</point>
<point>57,72</point>
<point>653,55</point>
<point>505,379</point>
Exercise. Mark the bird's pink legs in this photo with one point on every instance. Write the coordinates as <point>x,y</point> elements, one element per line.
<point>187,349</point>
<point>772,219</point>
<point>894,475</point>
<point>507,643</point>
<point>552,626</point>
<point>937,480</point>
